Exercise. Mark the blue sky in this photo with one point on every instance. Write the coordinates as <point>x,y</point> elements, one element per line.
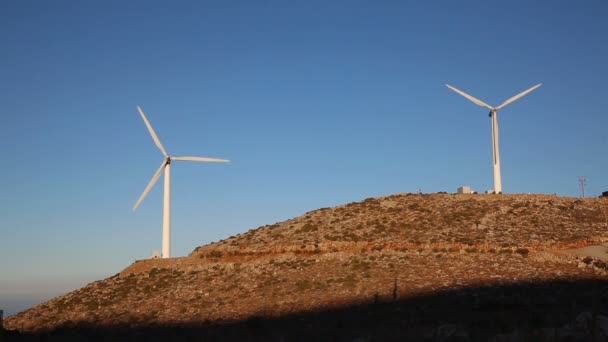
<point>317,104</point>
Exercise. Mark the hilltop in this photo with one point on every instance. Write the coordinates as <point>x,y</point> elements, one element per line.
<point>490,255</point>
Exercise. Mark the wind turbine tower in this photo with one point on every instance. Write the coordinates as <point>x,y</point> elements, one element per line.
<point>165,166</point>
<point>494,117</point>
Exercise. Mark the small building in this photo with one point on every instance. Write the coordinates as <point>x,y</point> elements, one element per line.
<point>155,254</point>
<point>465,190</point>
<point>604,194</point>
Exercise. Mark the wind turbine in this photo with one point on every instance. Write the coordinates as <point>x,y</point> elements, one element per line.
<point>166,166</point>
<point>494,116</point>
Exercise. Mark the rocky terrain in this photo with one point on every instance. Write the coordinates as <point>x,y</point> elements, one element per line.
<point>428,267</point>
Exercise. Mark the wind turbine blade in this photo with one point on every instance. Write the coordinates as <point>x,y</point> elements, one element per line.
<point>471,98</point>
<point>518,96</point>
<point>151,184</point>
<point>200,159</point>
<point>152,133</point>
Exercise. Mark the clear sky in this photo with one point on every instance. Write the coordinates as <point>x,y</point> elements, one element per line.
<point>316,103</point>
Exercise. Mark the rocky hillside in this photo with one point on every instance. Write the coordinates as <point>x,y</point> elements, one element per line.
<point>485,221</point>
<point>482,252</point>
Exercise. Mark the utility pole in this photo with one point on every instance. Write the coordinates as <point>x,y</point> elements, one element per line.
<point>395,290</point>
<point>582,182</point>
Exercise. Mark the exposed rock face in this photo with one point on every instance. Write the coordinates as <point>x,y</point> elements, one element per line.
<point>383,250</point>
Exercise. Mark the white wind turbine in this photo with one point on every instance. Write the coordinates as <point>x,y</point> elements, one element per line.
<point>166,165</point>
<point>494,117</point>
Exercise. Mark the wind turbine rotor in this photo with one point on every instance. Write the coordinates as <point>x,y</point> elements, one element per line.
<point>152,182</point>
<point>200,159</point>
<point>152,132</point>
<point>518,96</point>
<point>165,167</point>
<point>471,98</point>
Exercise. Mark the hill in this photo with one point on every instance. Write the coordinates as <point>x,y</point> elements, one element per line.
<point>424,260</point>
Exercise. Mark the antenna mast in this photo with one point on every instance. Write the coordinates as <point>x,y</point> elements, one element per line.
<point>583,181</point>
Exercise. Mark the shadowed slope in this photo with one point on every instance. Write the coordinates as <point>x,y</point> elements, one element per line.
<point>544,311</point>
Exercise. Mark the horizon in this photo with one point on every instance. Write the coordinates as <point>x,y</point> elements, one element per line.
<point>315,105</point>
